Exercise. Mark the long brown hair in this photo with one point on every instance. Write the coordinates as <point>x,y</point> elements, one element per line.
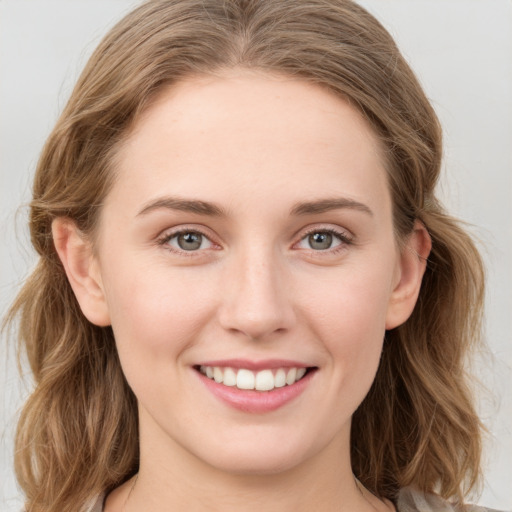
<point>77,435</point>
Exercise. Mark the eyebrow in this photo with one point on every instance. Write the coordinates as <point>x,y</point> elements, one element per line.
<point>184,205</point>
<point>325,205</point>
<point>211,209</point>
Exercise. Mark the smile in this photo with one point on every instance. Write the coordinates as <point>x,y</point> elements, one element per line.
<point>255,387</point>
<point>263,380</point>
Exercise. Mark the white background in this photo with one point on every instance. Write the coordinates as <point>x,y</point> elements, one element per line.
<point>462,52</point>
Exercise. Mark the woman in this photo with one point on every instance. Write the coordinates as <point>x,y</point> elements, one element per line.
<point>248,295</point>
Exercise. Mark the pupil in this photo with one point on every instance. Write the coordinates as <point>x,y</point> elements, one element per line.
<point>320,241</point>
<point>189,241</point>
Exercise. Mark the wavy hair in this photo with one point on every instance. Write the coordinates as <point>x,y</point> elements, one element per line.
<point>77,435</point>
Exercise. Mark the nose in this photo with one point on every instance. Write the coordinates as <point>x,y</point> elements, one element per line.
<point>256,300</point>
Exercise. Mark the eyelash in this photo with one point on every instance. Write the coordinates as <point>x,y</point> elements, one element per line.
<point>164,241</point>
<point>341,235</point>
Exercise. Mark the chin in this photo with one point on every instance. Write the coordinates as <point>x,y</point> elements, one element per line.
<point>257,464</point>
<point>260,454</point>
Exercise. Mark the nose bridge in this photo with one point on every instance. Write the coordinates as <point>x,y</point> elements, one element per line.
<point>256,300</point>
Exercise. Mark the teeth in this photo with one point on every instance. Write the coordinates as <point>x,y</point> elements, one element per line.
<point>229,377</point>
<point>218,375</point>
<point>290,376</point>
<point>245,379</point>
<point>300,373</point>
<point>280,378</point>
<point>264,380</point>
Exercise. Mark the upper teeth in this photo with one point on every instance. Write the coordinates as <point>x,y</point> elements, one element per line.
<point>264,380</point>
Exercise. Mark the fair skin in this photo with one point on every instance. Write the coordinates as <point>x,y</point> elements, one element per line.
<point>250,226</point>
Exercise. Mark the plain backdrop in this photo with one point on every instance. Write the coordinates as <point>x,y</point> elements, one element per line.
<point>462,53</point>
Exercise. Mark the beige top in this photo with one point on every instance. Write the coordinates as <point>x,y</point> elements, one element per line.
<point>409,500</point>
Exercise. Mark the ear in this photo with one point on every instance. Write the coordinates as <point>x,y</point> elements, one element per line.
<point>82,270</point>
<point>411,267</point>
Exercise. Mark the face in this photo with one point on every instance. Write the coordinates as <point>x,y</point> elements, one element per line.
<point>248,242</point>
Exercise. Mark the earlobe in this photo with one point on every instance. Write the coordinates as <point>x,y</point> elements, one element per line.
<point>412,265</point>
<point>82,270</point>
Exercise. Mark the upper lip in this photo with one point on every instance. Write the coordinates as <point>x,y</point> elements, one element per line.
<point>262,364</point>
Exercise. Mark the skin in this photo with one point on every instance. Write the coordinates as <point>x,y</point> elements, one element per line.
<point>256,146</point>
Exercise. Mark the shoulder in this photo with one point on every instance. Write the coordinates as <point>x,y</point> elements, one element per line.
<point>411,500</point>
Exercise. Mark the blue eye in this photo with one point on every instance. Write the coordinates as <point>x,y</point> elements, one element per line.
<point>323,240</point>
<point>320,241</point>
<point>188,241</point>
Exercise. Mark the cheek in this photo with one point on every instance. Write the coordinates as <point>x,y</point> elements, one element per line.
<point>350,320</point>
<point>155,315</point>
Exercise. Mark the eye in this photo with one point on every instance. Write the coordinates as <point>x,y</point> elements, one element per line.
<point>323,240</point>
<point>187,241</point>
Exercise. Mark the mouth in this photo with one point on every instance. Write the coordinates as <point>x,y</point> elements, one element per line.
<point>257,388</point>
<point>266,379</point>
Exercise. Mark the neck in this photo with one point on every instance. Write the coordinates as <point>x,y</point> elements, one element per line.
<point>174,479</point>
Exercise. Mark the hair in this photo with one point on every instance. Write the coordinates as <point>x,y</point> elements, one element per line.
<point>78,434</point>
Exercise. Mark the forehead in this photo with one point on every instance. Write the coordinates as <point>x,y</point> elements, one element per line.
<point>250,133</point>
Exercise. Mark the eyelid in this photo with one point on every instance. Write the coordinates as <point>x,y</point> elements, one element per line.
<point>170,233</point>
<point>345,236</point>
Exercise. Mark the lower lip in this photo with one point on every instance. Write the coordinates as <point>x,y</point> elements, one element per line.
<point>256,401</point>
